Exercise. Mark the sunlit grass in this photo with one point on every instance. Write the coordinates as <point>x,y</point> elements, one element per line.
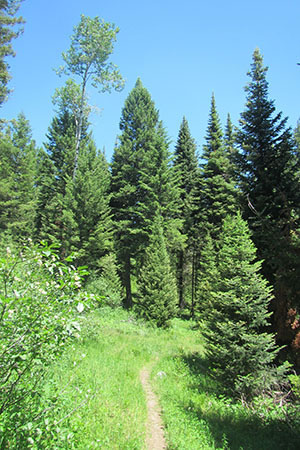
<point>103,405</point>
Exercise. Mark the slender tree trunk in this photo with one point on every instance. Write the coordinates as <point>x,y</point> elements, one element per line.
<point>127,282</point>
<point>79,125</point>
<point>180,279</point>
<point>193,284</point>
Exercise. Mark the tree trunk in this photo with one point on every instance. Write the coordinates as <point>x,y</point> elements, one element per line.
<point>193,284</point>
<point>79,124</point>
<point>180,279</point>
<point>127,282</point>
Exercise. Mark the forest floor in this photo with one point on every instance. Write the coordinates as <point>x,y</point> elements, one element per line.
<point>130,386</point>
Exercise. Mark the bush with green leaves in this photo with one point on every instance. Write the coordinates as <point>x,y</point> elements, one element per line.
<point>40,301</point>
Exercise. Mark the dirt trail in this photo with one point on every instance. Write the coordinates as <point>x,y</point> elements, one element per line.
<point>155,432</point>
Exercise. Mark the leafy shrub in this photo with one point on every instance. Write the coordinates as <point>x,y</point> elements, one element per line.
<point>40,301</point>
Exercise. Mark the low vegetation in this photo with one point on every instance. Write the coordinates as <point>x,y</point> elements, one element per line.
<point>99,401</point>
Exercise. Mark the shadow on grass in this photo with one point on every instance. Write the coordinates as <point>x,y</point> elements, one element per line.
<point>243,428</point>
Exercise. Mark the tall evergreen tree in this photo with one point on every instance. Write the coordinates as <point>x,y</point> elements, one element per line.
<point>9,30</point>
<point>74,213</point>
<point>93,213</point>
<point>239,311</point>
<point>215,194</point>
<point>186,171</point>
<point>268,168</point>
<point>55,171</point>
<point>157,284</point>
<point>18,178</point>
<point>141,184</point>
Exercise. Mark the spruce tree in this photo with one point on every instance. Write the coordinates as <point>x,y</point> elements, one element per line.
<point>156,282</point>
<point>56,203</point>
<point>239,351</point>
<point>9,30</point>
<point>141,183</point>
<point>18,178</point>
<point>268,178</point>
<point>74,213</point>
<point>186,171</point>
<point>93,213</point>
<point>215,194</point>
<point>206,277</point>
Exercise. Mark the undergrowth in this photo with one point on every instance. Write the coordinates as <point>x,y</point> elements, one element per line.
<point>100,402</point>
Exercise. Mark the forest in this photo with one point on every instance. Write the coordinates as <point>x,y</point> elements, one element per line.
<point>161,238</point>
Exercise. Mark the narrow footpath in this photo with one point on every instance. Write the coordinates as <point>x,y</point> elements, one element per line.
<point>155,439</point>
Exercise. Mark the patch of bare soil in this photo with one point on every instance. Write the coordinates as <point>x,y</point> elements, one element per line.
<point>155,439</point>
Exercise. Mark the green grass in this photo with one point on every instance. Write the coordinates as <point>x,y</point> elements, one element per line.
<point>103,404</point>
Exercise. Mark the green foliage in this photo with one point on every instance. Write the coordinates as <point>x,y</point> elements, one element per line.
<point>269,179</point>
<point>87,58</point>
<point>107,404</point>
<point>18,166</point>
<point>207,275</point>
<point>40,301</point>
<point>74,214</point>
<point>107,283</point>
<point>185,169</point>
<point>91,46</point>
<point>295,382</point>
<point>215,195</point>
<point>142,185</point>
<point>9,30</point>
<point>240,298</point>
<point>156,283</point>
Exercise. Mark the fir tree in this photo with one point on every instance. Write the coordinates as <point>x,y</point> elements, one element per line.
<point>207,276</point>
<point>185,169</point>
<point>239,352</point>
<point>18,178</point>
<point>9,30</point>
<point>55,190</point>
<point>215,193</point>
<point>268,168</point>
<point>141,183</point>
<point>74,213</point>
<point>157,285</point>
<point>93,213</point>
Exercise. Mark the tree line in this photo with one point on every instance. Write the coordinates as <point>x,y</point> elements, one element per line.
<point>167,233</point>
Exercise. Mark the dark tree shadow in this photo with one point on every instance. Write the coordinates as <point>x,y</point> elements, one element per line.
<point>243,430</point>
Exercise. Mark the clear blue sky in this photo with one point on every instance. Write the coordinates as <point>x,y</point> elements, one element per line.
<point>182,51</point>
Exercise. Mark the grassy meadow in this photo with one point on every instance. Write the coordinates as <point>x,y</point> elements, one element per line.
<point>100,402</point>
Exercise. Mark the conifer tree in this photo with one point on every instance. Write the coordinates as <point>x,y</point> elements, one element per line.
<point>9,30</point>
<point>74,213</point>
<point>156,282</point>
<point>186,171</point>
<point>268,167</point>
<point>141,183</point>
<point>239,351</point>
<point>215,193</point>
<point>93,213</point>
<point>55,192</point>
<point>207,276</point>
<point>229,134</point>
<point>18,178</point>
